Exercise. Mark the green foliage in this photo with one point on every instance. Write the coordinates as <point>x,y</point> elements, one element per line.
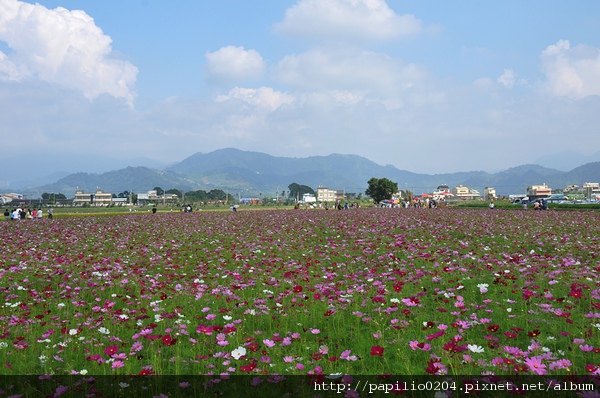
<point>381,188</point>
<point>203,196</point>
<point>174,191</point>
<point>297,190</point>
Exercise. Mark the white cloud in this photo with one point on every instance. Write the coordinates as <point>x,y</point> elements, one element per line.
<point>572,71</point>
<point>61,47</point>
<point>263,97</point>
<point>234,63</point>
<point>507,79</point>
<point>347,20</point>
<point>368,72</point>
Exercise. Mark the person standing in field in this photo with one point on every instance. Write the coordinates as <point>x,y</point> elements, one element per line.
<point>40,213</point>
<point>6,215</point>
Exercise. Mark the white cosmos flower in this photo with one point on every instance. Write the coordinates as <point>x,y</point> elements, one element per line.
<point>475,348</point>
<point>238,352</point>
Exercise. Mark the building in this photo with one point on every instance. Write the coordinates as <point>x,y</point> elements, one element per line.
<point>153,197</point>
<point>489,193</point>
<point>591,189</point>
<point>465,193</point>
<point>82,198</point>
<point>309,198</point>
<point>325,194</point>
<point>539,191</point>
<point>99,198</point>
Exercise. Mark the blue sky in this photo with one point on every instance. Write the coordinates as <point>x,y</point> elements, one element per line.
<point>427,86</point>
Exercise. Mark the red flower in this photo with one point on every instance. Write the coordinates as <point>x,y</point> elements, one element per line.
<point>534,333</point>
<point>527,294</point>
<point>168,340</point>
<point>431,368</point>
<point>521,368</point>
<point>377,351</point>
<point>493,328</point>
<point>329,312</point>
<point>111,349</point>
<point>428,325</point>
<point>435,335</point>
<point>577,293</point>
<point>298,289</point>
<point>248,368</point>
<point>398,286</point>
<point>590,368</point>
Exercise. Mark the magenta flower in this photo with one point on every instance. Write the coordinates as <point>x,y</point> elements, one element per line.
<point>346,355</point>
<point>269,343</point>
<point>117,364</point>
<point>535,365</point>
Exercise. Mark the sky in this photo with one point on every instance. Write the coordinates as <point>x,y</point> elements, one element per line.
<point>426,86</point>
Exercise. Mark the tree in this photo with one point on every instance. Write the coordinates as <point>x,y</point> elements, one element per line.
<point>174,191</point>
<point>381,188</point>
<point>159,191</point>
<point>297,190</point>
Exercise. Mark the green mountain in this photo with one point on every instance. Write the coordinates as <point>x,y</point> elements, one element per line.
<point>245,173</point>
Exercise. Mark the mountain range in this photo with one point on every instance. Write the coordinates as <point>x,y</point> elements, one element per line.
<point>245,174</point>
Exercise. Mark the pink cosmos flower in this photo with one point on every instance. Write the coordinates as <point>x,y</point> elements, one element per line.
<point>269,343</point>
<point>535,365</point>
<point>346,355</point>
<point>560,364</point>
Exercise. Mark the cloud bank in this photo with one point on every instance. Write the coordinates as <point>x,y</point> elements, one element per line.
<point>572,71</point>
<point>64,48</point>
<point>347,21</point>
<point>234,63</point>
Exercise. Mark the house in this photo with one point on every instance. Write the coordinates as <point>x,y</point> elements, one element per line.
<point>99,198</point>
<point>489,193</point>
<point>82,198</point>
<point>539,191</point>
<point>465,193</point>
<point>325,194</point>
<point>591,189</point>
<point>309,198</point>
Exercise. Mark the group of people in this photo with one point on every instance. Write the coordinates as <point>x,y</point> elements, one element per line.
<point>22,214</point>
<point>540,204</point>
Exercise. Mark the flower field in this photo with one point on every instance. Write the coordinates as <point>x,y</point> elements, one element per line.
<point>282,292</point>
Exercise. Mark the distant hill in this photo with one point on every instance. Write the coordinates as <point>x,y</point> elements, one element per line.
<point>133,179</point>
<point>247,173</point>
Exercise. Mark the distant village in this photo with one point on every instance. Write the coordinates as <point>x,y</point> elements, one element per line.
<point>588,192</point>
